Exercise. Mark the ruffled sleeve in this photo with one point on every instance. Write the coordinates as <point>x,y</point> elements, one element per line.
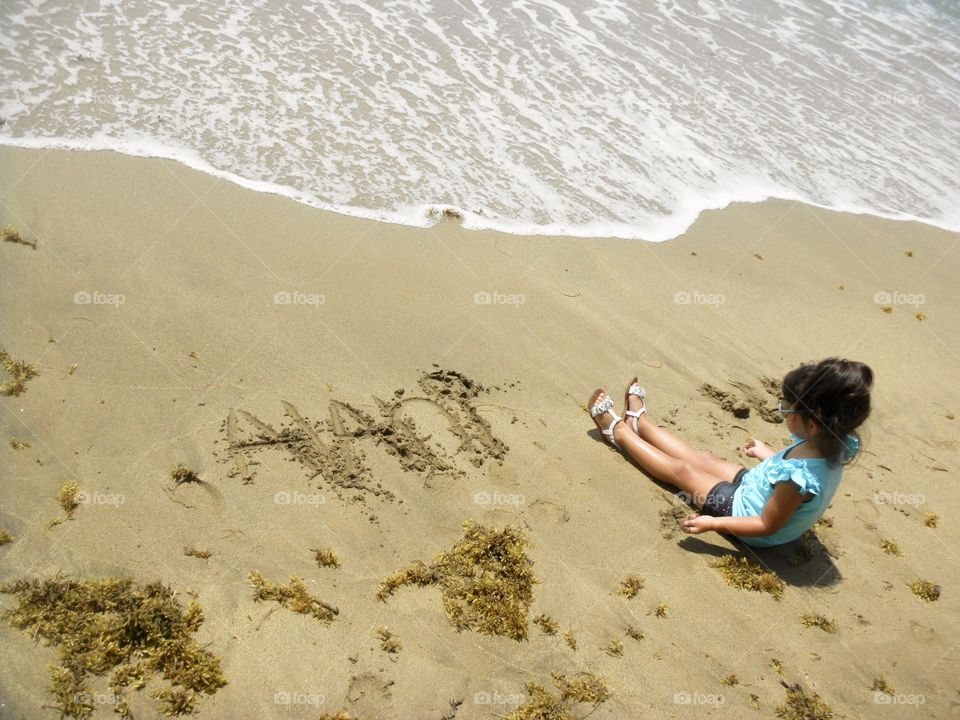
<point>798,472</point>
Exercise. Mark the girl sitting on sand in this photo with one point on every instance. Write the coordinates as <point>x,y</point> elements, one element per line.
<point>782,497</point>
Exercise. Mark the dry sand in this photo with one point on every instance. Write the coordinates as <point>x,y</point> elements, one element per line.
<point>199,339</point>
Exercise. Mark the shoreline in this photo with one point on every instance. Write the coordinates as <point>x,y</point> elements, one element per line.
<point>420,215</point>
<point>161,302</point>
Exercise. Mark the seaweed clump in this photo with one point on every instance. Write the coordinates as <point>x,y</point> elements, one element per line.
<point>746,575</point>
<point>20,371</point>
<point>181,475</point>
<point>931,519</point>
<point>800,706</point>
<point>487,581</point>
<point>325,557</point>
<point>5,537</point>
<point>10,234</point>
<point>193,552</point>
<point>547,624</point>
<point>631,585</point>
<point>882,686</point>
<point>389,642</point>
<point>820,621</point>
<point>546,705</point>
<point>925,589</point>
<point>294,597</point>
<point>114,626</point>
<point>69,499</point>
<point>891,548</point>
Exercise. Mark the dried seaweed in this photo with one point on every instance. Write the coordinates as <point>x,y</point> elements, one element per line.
<point>543,704</point>
<point>487,581</point>
<point>294,597</point>
<point>746,575</point>
<point>5,537</point>
<point>193,552</point>
<point>820,621</point>
<point>547,624</point>
<point>631,585</point>
<point>891,548</point>
<point>925,589</point>
<point>800,706</point>
<point>10,234</point>
<point>389,642</point>
<point>931,519</point>
<point>181,475</point>
<point>325,557</point>
<point>112,625</point>
<point>19,370</point>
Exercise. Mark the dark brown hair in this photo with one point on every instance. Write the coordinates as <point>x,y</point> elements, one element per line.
<point>836,394</point>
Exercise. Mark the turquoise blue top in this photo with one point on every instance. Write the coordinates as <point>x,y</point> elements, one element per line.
<point>811,475</point>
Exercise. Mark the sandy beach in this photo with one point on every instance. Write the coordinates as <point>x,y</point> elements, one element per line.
<point>176,319</point>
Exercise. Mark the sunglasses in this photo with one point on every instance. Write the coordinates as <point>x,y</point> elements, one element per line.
<point>784,411</point>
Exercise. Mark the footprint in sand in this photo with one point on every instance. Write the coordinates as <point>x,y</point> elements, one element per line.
<point>548,510</point>
<point>922,632</point>
<point>368,693</point>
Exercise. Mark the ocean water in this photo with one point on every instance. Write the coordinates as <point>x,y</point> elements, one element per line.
<point>610,118</point>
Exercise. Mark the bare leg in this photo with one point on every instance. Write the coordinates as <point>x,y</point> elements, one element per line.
<point>680,473</point>
<point>671,445</point>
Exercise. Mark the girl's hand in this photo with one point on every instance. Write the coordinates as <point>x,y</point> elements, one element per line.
<point>756,449</point>
<point>696,524</point>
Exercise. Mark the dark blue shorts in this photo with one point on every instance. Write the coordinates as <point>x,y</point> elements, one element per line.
<point>719,501</point>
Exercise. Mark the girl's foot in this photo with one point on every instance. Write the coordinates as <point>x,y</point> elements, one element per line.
<point>633,404</point>
<point>603,414</point>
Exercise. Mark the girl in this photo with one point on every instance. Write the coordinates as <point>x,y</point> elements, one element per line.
<point>782,497</point>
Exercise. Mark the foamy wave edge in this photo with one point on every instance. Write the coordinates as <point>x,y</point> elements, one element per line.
<point>669,228</point>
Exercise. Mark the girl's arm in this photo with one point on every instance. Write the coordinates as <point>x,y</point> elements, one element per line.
<point>779,509</point>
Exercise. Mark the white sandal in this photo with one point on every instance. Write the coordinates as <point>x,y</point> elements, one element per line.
<point>606,406</point>
<point>639,392</point>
